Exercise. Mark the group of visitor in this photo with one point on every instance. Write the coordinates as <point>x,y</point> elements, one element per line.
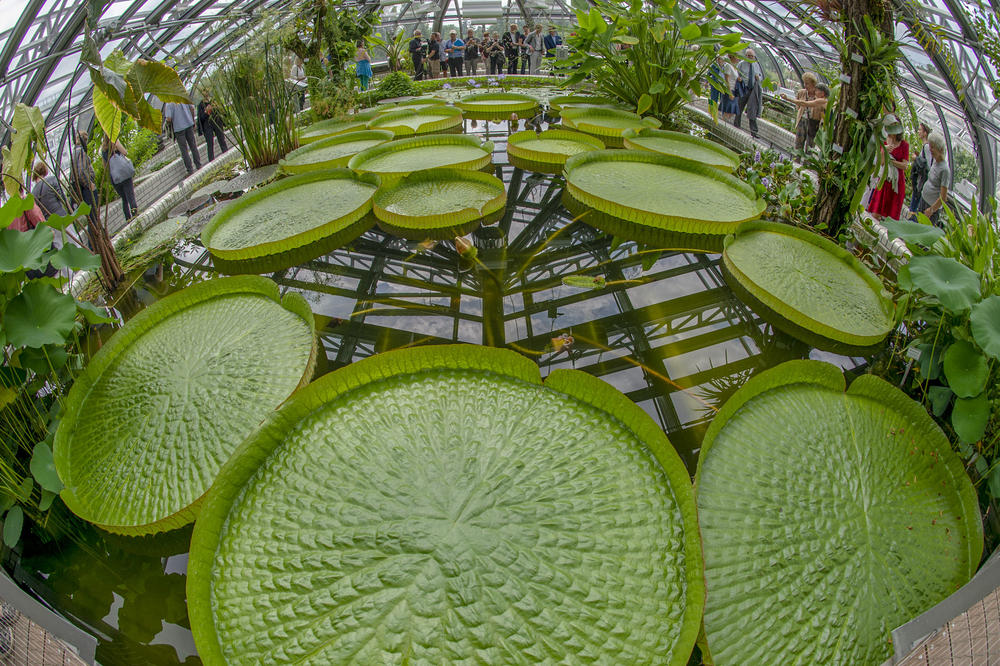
<point>930,175</point>
<point>742,80</point>
<point>462,57</point>
<point>810,102</point>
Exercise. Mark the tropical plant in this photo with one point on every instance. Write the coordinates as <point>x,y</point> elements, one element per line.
<point>790,191</point>
<point>547,151</point>
<point>497,105</point>
<point>164,403</point>
<point>396,84</point>
<point>395,48</point>
<point>259,103</point>
<point>874,523</point>
<point>651,56</point>
<point>39,337</point>
<point>608,124</point>
<point>376,474</point>
<point>140,143</point>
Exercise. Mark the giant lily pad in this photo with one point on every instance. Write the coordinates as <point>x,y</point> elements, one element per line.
<point>415,104</point>
<point>557,104</point>
<point>164,403</point>
<point>332,152</point>
<point>683,145</point>
<point>439,203</point>
<point>441,505</point>
<point>292,213</point>
<point>827,518</point>
<point>497,106</point>
<point>547,151</point>
<point>645,194</point>
<point>607,124</point>
<point>334,126</point>
<point>391,161</point>
<point>428,120</point>
<point>809,281</point>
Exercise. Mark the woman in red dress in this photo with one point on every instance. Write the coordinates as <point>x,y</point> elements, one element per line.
<point>887,201</point>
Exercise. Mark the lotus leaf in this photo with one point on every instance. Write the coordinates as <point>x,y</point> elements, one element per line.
<point>969,418</point>
<point>335,151</point>
<point>828,518</point>
<point>441,505</point>
<point>810,282</point>
<point>966,369</point>
<point>164,403</point>
<point>497,106</point>
<point>912,232</point>
<point>427,120</point>
<point>607,124</point>
<point>955,285</point>
<point>38,316</point>
<point>391,161</point>
<point>656,193</point>
<point>74,257</point>
<point>24,250</point>
<point>985,323</point>
<point>547,151</point>
<point>440,203</point>
<point>681,144</point>
<point>292,213</point>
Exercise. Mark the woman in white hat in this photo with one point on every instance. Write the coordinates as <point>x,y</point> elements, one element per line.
<point>887,201</point>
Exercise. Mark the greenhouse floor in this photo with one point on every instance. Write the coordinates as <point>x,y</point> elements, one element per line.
<point>971,639</point>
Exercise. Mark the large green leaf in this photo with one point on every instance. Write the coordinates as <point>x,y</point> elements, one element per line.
<point>427,120</point>
<point>439,203</point>
<point>809,281</point>
<point>39,316</point>
<point>74,257</point>
<point>24,250</point>
<point>966,369</point>
<point>912,232</point>
<point>547,151</point>
<point>955,285</point>
<point>14,208</point>
<point>985,323</point>
<point>441,505</point>
<point>28,138</point>
<point>164,403</point>
<point>43,468</point>
<point>827,518</point>
<point>333,152</point>
<point>607,124</point>
<point>148,77</point>
<point>681,144</point>
<point>653,192</point>
<point>969,417</point>
<point>391,161</point>
<point>292,213</point>
<point>109,116</point>
<point>557,104</point>
<point>497,106</point>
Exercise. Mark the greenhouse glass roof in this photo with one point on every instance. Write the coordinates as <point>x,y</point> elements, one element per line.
<point>949,80</point>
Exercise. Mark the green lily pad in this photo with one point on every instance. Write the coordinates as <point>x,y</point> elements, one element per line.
<point>912,232</point>
<point>955,285</point>
<point>809,281</point>
<point>24,250</point>
<point>333,152</point>
<point>167,399</point>
<point>547,152</point>
<point>817,562</point>
<point>415,104</point>
<point>158,237</point>
<point>681,144</point>
<point>428,120</point>
<point>292,213</point>
<point>335,126</point>
<point>440,203</point>
<point>442,505</point>
<point>43,468</point>
<point>38,316</point>
<point>391,161</point>
<point>651,193</point>
<point>560,102</point>
<point>985,323</point>
<point>966,369</point>
<point>607,124</point>
<point>497,106</point>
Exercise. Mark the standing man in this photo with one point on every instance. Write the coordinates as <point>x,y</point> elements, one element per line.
<point>455,49</point>
<point>211,126</point>
<point>472,53</point>
<point>511,42</point>
<point>434,49</point>
<point>417,54</point>
<point>536,47</point>
<point>181,118</point>
<point>751,99</point>
<point>552,40</point>
<point>82,174</point>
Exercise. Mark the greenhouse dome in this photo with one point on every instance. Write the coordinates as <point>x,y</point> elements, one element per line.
<point>499,331</point>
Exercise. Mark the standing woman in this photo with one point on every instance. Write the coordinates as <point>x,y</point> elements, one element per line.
<point>121,171</point>
<point>363,65</point>
<point>804,132</point>
<point>211,125</point>
<point>921,165</point>
<point>727,107</point>
<point>887,201</point>
<point>934,193</point>
<point>45,188</point>
<point>434,54</point>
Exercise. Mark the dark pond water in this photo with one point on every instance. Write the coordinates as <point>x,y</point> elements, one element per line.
<point>669,334</point>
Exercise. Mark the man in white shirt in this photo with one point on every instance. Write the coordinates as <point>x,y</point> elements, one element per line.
<point>181,118</point>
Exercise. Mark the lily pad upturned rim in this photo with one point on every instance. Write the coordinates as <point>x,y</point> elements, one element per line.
<point>288,164</point>
<point>334,126</point>
<point>650,220</point>
<point>560,102</point>
<point>811,373</point>
<point>344,225</point>
<point>385,120</point>
<point>398,145</point>
<point>444,225</point>
<point>577,118</point>
<point>789,312</point>
<point>119,344</point>
<point>244,463</point>
<point>541,160</point>
<point>387,105</point>
<point>728,160</point>
<point>529,103</point>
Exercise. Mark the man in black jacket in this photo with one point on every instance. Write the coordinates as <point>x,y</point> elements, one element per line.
<point>210,126</point>
<point>417,53</point>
